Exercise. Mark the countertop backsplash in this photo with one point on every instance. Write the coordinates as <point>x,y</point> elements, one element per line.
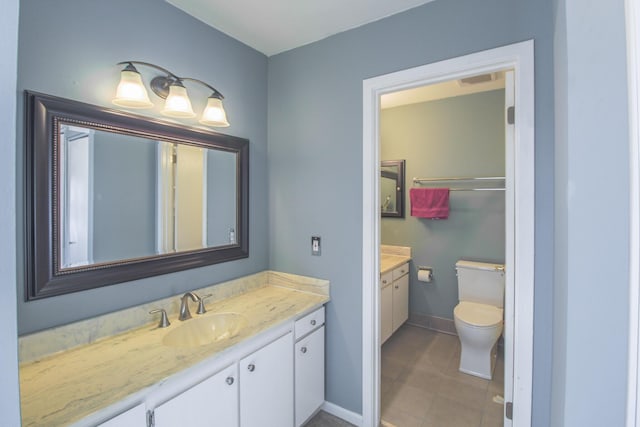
<point>37,345</point>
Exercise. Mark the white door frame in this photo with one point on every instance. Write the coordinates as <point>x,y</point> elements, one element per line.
<point>518,57</point>
<point>632,13</point>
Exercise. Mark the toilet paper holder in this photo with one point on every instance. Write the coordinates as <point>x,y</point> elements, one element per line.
<point>425,274</point>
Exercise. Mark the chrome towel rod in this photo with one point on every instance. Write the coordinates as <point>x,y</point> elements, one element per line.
<point>467,180</point>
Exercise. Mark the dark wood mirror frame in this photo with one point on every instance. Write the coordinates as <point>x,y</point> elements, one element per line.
<point>399,179</point>
<point>43,276</point>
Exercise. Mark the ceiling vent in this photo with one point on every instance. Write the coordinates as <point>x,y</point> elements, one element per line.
<point>481,78</point>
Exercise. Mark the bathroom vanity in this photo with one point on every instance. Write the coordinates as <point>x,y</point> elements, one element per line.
<point>394,289</point>
<point>268,371</point>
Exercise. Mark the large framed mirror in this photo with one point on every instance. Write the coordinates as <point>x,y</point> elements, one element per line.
<point>113,197</point>
<point>392,188</point>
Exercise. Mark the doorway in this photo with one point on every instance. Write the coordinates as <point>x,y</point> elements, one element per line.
<point>452,135</point>
<point>519,196</point>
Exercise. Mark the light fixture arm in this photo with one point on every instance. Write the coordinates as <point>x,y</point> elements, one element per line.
<point>147,64</point>
<point>216,93</point>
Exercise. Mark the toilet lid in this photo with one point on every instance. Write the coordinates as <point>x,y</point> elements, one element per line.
<point>477,314</point>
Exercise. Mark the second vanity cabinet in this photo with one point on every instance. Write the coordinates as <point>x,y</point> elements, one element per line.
<point>394,300</point>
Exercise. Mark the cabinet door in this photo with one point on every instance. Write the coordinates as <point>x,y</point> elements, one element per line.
<point>135,416</point>
<point>309,375</point>
<point>266,385</point>
<point>386,310</point>
<point>213,402</point>
<point>400,301</point>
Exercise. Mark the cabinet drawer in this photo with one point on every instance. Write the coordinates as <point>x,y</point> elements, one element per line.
<point>309,322</point>
<point>386,279</point>
<point>398,272</point>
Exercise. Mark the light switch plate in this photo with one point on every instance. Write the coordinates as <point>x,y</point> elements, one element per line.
<point>315,245</point>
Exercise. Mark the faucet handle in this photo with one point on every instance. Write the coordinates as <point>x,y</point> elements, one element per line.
<point>164,321</point>
<point>201,307</point>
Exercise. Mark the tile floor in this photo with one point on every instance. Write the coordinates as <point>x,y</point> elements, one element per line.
<point>422,387</point>
<point>324,419</point>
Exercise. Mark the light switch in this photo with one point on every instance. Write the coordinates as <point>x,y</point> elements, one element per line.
<point>315,245</point>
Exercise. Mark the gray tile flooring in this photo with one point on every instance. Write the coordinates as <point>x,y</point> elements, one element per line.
<point>323,419</point>
<point>422,387</point>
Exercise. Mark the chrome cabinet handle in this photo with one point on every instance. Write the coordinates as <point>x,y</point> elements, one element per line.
<point>303,350</point>
<point>384,282</point>
<point>229,380</point>
<point>313,322</point>
<point>251,367</point>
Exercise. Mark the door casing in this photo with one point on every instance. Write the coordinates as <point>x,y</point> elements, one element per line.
<point>520,192</point>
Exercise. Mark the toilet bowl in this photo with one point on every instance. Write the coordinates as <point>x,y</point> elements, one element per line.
<point>479,326</point>
<point>478,317</point>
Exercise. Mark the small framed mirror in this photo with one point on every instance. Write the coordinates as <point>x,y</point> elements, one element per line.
<point>392,188</point>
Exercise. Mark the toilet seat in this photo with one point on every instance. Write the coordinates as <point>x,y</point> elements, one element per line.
<point>478,315</point>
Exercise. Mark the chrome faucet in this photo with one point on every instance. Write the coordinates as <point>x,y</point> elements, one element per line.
<point>184,305</point>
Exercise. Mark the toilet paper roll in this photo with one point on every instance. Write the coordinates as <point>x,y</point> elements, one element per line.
<point>425,275</point>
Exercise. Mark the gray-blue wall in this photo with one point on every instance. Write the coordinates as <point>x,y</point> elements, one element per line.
<point>592,215</point>
<point>315,159</point>
<point>459,136</point>
<point>9,404</point>
<point>70,48</point>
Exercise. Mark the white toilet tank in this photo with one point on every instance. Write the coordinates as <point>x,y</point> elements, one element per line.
<point>481,282</point>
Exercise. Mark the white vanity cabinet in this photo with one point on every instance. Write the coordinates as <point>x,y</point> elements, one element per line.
<point>394,300</point>
<point>213,402</point>
<point>400,296</point>
<point>256,390</point>
<point>133,417</point>
<point>266,385</point>
<point>309,365</point>
<point>386,306</point>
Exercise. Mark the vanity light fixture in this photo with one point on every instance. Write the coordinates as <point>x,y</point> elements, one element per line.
<point>131,93</point>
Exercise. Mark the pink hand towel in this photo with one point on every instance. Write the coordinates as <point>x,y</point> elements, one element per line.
<point>430,202</point>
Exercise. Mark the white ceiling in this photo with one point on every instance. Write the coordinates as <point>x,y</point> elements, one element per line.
<point>274,26</point>
<point>442,90</point>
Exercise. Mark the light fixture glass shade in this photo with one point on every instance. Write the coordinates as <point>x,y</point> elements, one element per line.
<point>131,93</point>
<point>214,114</point>
<point>178,103</point>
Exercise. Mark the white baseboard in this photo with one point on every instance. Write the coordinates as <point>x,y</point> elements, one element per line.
<point>340,412</point>
<point>434,323</point>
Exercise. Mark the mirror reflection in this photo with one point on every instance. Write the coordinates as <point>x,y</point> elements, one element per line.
<point>392,188</point>
<point>127,197</point>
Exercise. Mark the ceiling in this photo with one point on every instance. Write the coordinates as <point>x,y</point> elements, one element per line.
<point>447,89</point>
<point>274,26</point>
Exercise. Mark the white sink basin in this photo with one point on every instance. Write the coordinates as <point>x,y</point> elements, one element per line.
<point>205,330</point>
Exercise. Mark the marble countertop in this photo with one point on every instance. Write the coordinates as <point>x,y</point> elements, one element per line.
<point>388,262</point>
<point>63,388</point>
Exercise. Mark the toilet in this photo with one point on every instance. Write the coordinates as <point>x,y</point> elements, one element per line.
<point>478,317</point>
